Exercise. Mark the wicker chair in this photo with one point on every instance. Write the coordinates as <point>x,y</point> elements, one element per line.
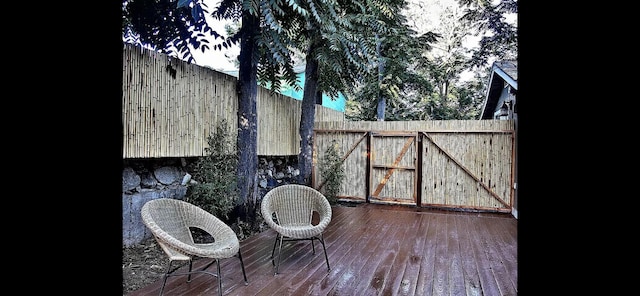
<point>171,221</point>
<point>288,209</point>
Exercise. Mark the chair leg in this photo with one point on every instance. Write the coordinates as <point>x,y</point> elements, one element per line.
<point>242,265</point>
<point>190,267</point>
<point>171,271</point>
<point>277,262</point>
<point>165,276</point>
<point>219,277</point>
<point>279,255</point>
<point>321,239</point>
<point>274,249</point>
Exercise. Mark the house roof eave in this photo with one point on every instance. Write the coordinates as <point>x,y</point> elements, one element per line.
<point>508,79</point>
<point>506,70</point>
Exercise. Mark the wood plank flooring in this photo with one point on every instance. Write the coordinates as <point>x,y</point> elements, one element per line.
<point>374,250</point>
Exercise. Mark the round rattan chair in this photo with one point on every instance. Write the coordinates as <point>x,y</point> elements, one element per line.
<point>171,222</point>
<point>289,209</point>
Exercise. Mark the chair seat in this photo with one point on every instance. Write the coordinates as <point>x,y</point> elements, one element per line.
<point>173,254</point>
<point>300,231</point>
<point>223,249</point>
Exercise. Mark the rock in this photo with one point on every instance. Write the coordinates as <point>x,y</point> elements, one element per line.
<point>167,175</point>
<point>130,180</point>
<point>186,179</point>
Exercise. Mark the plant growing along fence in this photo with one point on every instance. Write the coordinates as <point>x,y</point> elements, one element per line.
<point>214,186</point>
<point>332,172</point>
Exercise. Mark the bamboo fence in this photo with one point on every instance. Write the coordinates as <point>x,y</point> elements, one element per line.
<point>170,107</point>
<point>466,164</point>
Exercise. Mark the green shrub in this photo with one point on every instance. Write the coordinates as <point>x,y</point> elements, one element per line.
<point>215,174</point>
<point>332,172</point>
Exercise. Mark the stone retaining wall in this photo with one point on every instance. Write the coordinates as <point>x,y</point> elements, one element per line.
<point>147,179</point>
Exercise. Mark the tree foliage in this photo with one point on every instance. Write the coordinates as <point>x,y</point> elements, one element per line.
<point>176,31</point>
<point>499,36</point>
<point>432,89</point>
<point>450,58</point>
<point>392,74</point>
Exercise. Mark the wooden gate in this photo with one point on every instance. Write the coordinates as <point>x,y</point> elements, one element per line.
<point>393,168</point>
<point>469,167</point>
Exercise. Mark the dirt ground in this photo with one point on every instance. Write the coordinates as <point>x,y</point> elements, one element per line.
<point>142,265</point>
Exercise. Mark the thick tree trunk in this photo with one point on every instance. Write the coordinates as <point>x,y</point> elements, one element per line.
<point>247,143</point>
<point>307,117</point>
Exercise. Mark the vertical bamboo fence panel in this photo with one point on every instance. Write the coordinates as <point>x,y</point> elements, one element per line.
<point>353,145</point>
<point>170,107</point>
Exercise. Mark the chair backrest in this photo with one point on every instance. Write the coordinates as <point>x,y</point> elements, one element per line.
<point>294,204</point>
<point>171,220</point>
<point>166,216</point>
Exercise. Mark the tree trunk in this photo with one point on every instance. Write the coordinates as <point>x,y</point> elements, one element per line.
<point>307,117</point>
<point>382,104</point>
<point>247,143</point>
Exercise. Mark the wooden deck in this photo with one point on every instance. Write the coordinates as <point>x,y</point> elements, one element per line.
<point>374,250</point>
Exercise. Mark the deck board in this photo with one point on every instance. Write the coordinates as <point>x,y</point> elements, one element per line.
<point>375,271</point>
<point>373,250</point>
<point>469,267</point>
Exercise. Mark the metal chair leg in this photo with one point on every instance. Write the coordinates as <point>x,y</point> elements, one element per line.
<point>190,268</point>
<point>219,277</point>
<point>242,265</point>
<point>274,248</point>
<point>279,255</point>
<point>165,276</point>
<point>277,262</point>
<point>168,273</point>
<point>171,272</point>
<point>321,239</point>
